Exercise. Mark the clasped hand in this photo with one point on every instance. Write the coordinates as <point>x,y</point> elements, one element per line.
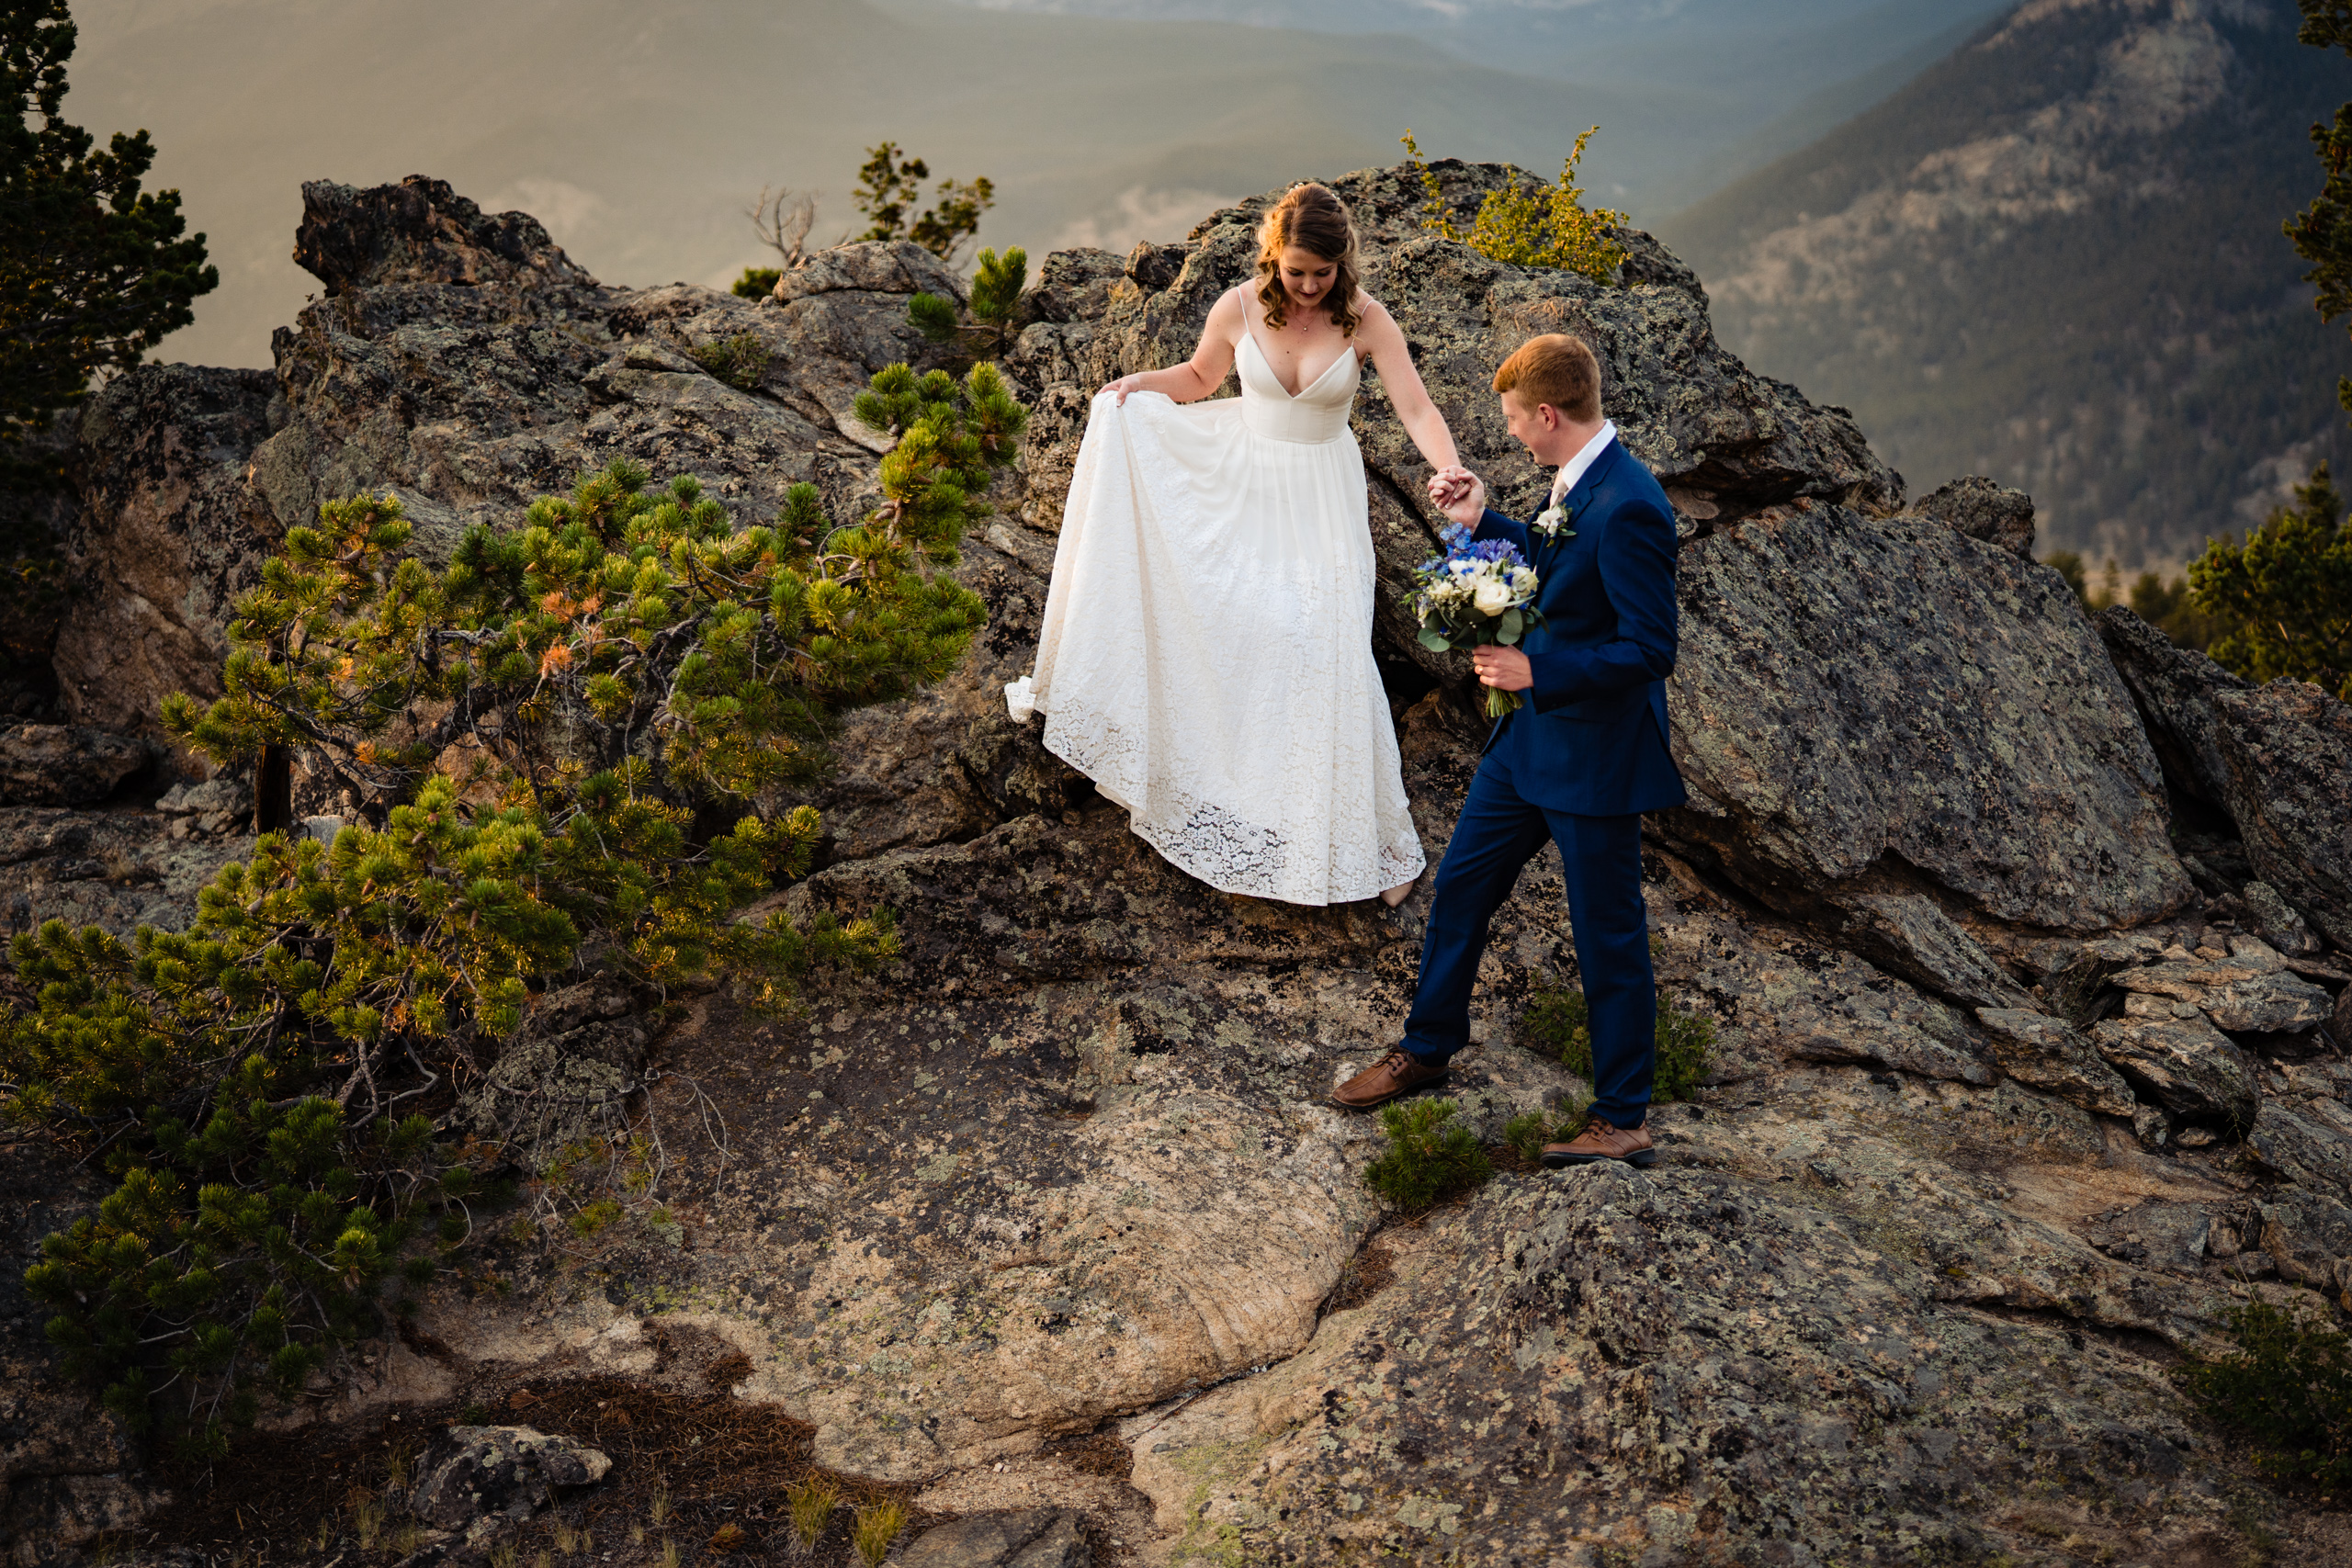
<point>1462,496</point>
<point>1459,493</point>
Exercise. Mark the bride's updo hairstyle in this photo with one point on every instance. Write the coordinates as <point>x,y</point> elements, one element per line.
<point>1311,217</point>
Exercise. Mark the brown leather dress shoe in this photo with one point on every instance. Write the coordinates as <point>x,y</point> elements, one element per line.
<point>1600,1140</point>
<point>1395,1074</point>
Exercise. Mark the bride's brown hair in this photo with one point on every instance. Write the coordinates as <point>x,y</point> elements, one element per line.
<point>1311,217</point>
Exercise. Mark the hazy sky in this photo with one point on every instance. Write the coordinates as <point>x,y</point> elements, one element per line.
<point>638,129</point>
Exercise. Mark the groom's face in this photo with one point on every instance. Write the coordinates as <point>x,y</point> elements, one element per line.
<point>1534,425</point>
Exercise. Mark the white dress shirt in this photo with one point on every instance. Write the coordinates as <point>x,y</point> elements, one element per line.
<point>1573,471</point>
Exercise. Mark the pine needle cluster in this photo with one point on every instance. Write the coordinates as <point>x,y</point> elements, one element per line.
<point>566,747</point>
<point>997,285</point>
<point>1529,223</point>
<point>1431,1156</point>
<point>1558,1022</point>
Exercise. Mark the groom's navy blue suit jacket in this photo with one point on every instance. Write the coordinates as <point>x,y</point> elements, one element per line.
<point>1589,738</point>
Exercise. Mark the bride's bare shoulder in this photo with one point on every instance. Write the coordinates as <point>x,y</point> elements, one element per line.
<point>1374,324</point>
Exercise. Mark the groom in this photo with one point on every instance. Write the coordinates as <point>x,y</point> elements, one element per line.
<point>1578,761</point>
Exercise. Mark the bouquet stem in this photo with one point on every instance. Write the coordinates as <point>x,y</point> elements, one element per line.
<point>1500,702</point>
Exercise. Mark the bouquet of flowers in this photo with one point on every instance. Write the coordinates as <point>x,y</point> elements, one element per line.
<point>1474,595</point>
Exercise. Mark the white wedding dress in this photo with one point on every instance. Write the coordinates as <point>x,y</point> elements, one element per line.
<point>1206,652</point>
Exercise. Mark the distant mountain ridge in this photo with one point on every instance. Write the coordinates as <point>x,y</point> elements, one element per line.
<point>2055,258</point>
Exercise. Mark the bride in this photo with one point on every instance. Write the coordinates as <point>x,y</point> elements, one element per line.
<point>1206,651</point>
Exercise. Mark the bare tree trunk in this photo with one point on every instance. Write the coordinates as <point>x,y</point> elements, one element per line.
<point>274,790</point>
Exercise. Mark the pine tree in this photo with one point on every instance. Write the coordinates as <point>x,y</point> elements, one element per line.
<point>2286,593</point>
<point>2323,231</point>
<point>566,745</point>
<point>94,272</point>
<point>888,186</point>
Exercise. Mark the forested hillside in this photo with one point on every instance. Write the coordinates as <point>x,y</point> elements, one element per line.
<point>2055,258</point>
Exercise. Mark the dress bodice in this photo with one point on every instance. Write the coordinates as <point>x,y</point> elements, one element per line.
<point>1319,412</point>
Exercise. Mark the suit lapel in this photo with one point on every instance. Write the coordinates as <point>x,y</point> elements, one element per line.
<point>1579,496</point>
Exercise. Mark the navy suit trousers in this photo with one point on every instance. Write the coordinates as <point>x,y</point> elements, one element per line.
<point>1498,834</point>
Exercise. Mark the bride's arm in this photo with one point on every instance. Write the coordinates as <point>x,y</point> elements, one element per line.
<point>1201,374</point>
<point>1383,345</point>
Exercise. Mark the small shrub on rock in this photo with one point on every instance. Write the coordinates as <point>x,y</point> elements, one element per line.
<point>1431,1156</point>
<point>1532,224</point>
<point>1527,1133</point>
<point>996,286</point>
<point>740,361</point>
<point>757,282</point>
<point>1559,1024</point>
<point>2287,1387</point>
<point>565,746</point>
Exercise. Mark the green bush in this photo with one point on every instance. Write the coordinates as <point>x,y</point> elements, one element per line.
<point>1430,1155</point>
<point>559,746</point>
<point>1558,1022</point>
<point>2283,599</point>
<point>757,282</point>
<point>1528,1132</point>
<point>2287,1387</point>
<point>1532,224</point>
<point>997,285</point>
<point>740,361</point>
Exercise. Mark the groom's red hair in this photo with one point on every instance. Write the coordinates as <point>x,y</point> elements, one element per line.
<point>1557,369</point>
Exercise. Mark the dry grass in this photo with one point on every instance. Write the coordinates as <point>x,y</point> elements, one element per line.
<point>879,1524</point>
<point>810,1504</point>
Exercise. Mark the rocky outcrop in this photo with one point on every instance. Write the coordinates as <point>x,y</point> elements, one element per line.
<point>2173,689</point>
<point>2181,1062</point>
<point>168,535</point>
<point>421,231</point>
<point>2049,1052</point>
<point>59,764</point>
<point>1827,740</point>
<point>462,362</point>
<point>2287,747</point>
<point>1674,1367</point>
<point>116,869</point>
<point>1986,510</point>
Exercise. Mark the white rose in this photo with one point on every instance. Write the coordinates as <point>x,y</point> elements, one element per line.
<point>1493,597</point>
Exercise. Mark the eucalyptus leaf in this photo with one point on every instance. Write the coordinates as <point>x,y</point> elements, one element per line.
<point>1434,639</point>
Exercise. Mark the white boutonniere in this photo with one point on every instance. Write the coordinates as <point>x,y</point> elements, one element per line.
<point>1550,521</point>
